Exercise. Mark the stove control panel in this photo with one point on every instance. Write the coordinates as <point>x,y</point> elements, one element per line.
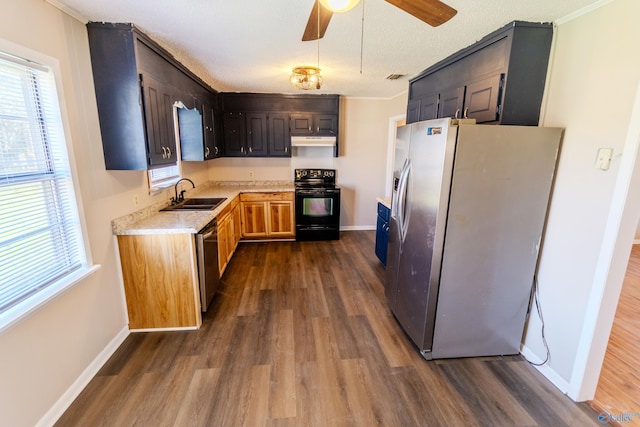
<point>306,174</point>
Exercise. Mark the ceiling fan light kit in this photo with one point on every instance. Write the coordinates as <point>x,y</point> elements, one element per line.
<point>306,78</point>
<point>339,5</point>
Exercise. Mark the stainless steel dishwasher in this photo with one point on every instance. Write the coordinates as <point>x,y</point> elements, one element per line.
<point>208,272</point>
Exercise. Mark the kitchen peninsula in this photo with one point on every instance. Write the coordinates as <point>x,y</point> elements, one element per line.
<point>158,252</point>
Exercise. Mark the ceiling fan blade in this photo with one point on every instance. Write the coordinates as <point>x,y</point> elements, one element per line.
<point>433,12</point>
<point>311,31</point>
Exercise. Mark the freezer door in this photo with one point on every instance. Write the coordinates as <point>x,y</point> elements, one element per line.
<point>403,137</point>
<point>419,226</point>
<point>499,196</point>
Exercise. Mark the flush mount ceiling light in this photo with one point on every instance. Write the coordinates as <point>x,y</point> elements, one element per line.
<point>306,78</point>
<point>339,5</point>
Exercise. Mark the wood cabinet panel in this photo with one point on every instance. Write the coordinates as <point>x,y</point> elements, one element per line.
<point>281,218</point>
<point>262,197</point>
<point>160,280</point>
<point>268,215</point>
<point>254,219</point>
<point>228,233</point>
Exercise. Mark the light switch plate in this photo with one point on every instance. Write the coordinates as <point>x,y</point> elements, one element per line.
<point>603,161</point>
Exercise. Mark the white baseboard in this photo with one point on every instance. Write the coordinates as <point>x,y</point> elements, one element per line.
<point>636,242</point>
<point>56,411</point>
<point>550,374</point>
<point>357,227</point>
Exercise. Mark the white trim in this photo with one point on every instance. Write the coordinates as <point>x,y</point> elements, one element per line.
<point>381,98</point>
<point>22,310</point>
<point>583,11</point>
<point>357,227</point>
<point>67,398</point>
<point>636,242</point>
<point>26,308</point>
<point>66,9</point>
<point>183,328</point>
<point>391,145</point>
<point>550,374</point>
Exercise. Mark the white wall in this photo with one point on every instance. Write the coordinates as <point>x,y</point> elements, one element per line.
<point>591,89</point>
<point>42,357</point>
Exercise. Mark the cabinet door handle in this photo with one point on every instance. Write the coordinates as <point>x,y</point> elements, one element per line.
<point>164,152</point>
<point>169,153</point>
<point>457,112</point>
<point>466,110</point>
<point>317,129</point>
<point>206,152</point>
<point>309,128</point>
<point>251,149</point>
<point>286,149</point>
<point>216,149</point>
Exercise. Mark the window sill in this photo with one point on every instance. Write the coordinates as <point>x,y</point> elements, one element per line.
<point>20,312</point>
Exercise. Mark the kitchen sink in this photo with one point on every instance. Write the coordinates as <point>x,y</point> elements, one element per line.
<point>203,204</point>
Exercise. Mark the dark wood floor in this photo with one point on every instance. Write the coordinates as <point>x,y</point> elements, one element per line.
<point>300,335</point>
<point>618,389</point>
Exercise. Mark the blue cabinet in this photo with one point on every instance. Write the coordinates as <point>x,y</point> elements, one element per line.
<point>382,233</point>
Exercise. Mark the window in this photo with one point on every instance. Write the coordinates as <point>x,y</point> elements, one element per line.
<point>165,176</point>
<point>40,234</point>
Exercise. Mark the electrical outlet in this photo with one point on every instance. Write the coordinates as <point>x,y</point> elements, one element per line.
<point>136,200</point>
<point>250,174</point>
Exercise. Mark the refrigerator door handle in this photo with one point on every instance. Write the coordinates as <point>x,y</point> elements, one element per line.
<point>402,199</point>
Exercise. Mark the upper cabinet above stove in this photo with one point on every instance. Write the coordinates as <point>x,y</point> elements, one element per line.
<point>283,116</point>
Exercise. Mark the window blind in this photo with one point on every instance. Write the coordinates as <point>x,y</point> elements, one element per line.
<point>40,233</point>
<point>163,177</point>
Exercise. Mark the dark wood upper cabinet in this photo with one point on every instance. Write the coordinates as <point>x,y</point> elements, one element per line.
<point>498,80</point>
<point>273,119</point>
<point>326,124</point>
<point>429,107</point>
<point>256,144</point>
<point>451,102</point>
<point>159,125</point>
<point>137,84</point>
<point>301,124</point>
<point>279,135</point>
<point>235,129</point>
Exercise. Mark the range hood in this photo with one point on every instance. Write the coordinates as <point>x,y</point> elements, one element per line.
<point>313,141</point>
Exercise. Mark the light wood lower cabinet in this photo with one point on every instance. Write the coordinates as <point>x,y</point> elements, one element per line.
<point>228,233</point>
<point>267,215</point>
<point>160,277</point>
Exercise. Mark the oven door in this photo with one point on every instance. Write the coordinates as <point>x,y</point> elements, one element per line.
<point>318,214</point>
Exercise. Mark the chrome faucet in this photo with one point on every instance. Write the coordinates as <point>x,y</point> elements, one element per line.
<point>180,198</point>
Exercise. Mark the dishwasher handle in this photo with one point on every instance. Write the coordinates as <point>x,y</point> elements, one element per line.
<point>208,230</point>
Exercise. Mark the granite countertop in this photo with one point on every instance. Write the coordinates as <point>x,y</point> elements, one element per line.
<point>151,221</point>
<point>385,201</point>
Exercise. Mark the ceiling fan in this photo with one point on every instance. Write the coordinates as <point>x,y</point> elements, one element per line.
<point>433,12</point>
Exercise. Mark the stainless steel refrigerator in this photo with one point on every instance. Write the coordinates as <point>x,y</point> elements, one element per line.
<point>468,211</point>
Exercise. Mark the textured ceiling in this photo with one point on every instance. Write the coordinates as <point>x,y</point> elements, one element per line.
<point>252,45</point>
